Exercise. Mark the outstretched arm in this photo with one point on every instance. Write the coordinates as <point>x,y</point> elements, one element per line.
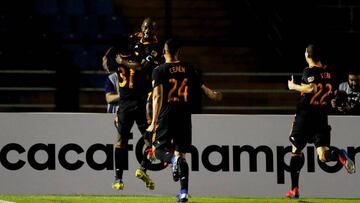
<point>211,94</point>
<point>305,88</point>
<point>123,60</point>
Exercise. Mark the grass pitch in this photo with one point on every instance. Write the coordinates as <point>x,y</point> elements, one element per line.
<point>152,199</point>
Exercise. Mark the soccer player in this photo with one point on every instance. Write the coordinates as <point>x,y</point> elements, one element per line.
<point>348,100</point>
<point>132,103</point>
<point>174,84</point>
<point>311,119</point>
<point>111,84</point>
<point>147,49</point>
<point>148,52</point>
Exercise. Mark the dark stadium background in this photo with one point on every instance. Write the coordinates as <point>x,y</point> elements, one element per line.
<point>50,50</point>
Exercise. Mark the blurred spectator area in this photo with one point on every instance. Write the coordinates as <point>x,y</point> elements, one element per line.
<point>51,50</point>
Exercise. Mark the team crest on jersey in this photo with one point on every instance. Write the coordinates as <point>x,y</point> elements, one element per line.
<point>154,53</point>
<point>311,79</point>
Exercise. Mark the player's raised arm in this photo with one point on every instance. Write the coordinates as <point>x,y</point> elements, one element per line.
<point>127,62</point>
<point>211,94</point>
<point>105,64</point>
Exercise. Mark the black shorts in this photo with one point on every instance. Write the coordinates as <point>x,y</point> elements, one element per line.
<point>126,120</point>
<point>174,133</point>
<point>310,127</point>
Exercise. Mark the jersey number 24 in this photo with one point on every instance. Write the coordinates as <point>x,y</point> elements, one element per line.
<point>176,92</point>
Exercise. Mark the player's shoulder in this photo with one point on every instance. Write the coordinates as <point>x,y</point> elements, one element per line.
<point>307,70</point>
<point>159,68</point>
<point>344,86</point>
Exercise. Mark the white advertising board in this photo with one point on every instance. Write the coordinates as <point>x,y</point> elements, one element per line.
<point>233,155</point>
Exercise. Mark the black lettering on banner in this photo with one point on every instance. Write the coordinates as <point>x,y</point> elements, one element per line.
<point>194,158</point>
<point>62,156</point>
<point>3,156</point>
<point>253,152</point>
<point>50,151</point>
<point>352,152</point>
<point>108,164</point>
<point>223,151</point>
<point>281,165</point>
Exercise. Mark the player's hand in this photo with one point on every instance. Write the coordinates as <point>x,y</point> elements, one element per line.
<point>291,84</point>
<point>217,96</point>
<point>105,64</point>
<point>152,127</point>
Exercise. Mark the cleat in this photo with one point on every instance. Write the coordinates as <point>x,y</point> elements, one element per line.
<point>182,197</point>
<point>118,184</point>
<point>146,178</point>
<point>346,161</point>
<point>293,194</point>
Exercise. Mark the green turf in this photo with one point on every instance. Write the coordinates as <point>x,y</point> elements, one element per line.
<point>152,199</point>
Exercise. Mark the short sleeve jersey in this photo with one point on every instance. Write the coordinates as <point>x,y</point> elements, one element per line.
<point>180,82</point>
<point>131,88</point>
<point>322,78</point>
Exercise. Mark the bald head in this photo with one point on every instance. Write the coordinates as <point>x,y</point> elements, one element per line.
<point>148,29</point>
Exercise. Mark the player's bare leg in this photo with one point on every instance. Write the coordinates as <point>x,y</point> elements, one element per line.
<point>326,155</point>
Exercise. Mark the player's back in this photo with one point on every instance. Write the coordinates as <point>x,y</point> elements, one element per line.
<point>131,88</point>
<point>322,80</point>
<point>179,80</point>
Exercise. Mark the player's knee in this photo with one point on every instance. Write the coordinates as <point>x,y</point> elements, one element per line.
<point>297,154</point>
<point>121,143</point>
<point>321,151</point>
<point>117,145</point>
<point>179,154</point>
<point>295,151</point>
<point>322,157</point>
